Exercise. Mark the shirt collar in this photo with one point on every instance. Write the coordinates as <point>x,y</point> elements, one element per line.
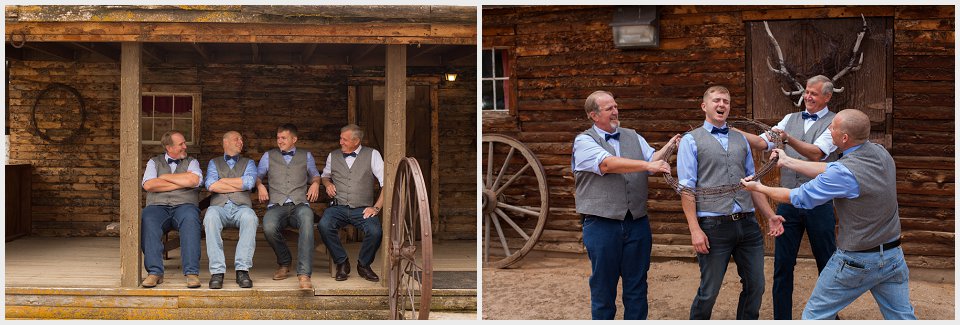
<point>852,149</point>
<point>709,127</point>
<point>601,132</point>
<point>821,113</point>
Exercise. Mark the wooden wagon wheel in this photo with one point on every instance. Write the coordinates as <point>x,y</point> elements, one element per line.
<point>515,193</point>
<point>411,272</point>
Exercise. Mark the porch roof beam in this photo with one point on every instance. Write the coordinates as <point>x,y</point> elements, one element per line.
<point>99,49</point>
<point>55,50</point>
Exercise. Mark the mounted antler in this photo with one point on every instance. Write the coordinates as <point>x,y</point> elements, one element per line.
<point>853,65</point>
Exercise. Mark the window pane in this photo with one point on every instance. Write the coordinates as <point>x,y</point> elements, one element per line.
<point>183,106</point>
<point>146,105</point>
<point>500,55</point>
<point>163,105</point>
<point>487,95</point>
<point>487,63</point>
<point>146,129</point>
<point>161,126</point>
<point>185,126</point>
<point>500,103</point>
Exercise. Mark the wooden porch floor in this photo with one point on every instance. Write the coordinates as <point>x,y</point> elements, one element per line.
<point>94,262</point>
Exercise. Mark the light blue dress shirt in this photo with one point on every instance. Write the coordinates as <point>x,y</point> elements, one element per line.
<point>248,179</point>
<point>687,163</point>
<point>150,172</point>
<point>836,182</point>
<point>588,154</point>
<point>264,166</point>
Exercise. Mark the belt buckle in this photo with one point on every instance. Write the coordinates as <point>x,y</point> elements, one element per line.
<point>736,216</point>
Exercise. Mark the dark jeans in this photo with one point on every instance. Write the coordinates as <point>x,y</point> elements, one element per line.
<point>819,224</point>
<point>298,216</point>
<point>618,249</point>
<point>338,216</point>
<point>743,240</point>
<point>157,220</point>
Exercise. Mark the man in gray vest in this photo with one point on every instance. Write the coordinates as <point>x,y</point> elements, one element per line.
<point>230,178</point>
<point>293,181</point>
<point>863,187</point>
<point>351,178</point>
<point>807,137</point>
<point>610,165</point>
<point>711,156</point>
<point>172,182</point>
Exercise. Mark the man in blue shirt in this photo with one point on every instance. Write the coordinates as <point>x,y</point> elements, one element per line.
<point>862,185</point>
<point>230,178</point>
<point>711,156</point>
<point>610,165</point>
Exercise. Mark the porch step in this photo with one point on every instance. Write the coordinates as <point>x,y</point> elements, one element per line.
<point>112,303</point>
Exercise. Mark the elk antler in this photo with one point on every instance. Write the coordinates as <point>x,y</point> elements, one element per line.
<point>853,58</point>
<point>783,69</point>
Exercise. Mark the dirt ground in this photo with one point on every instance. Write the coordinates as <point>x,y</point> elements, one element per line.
<point>555,287</point>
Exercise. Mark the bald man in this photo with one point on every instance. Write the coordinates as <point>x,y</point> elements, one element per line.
<point>862,185</point>
<point>230,178</point>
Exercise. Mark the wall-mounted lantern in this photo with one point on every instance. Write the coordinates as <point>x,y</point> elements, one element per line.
<point>636,27</point>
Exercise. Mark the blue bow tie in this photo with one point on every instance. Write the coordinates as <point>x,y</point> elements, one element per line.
<point>717,130</point>
<point>229,158</point>
<point>806,115</point>
<point>352,154</point>
<point>615,136</point>
<point>287,153</point>
<point>173,161</point>
<point>840,155</point>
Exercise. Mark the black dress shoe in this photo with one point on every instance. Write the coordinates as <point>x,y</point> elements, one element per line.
<point>243,279</point>
<point>367,273</point>
<point>216,281</point>
<point>343,269</point>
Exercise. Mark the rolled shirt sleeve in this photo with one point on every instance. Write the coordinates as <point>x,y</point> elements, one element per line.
<point>311,167</point>
<point>249,178</point>
<point>194,168</point>
<point>836,182</point>
<point>263,166</point>
<point>212,175</point>
<point>687,161</point>
<point>149,172</point>
<point>376,164</point>
<point>587,155</point>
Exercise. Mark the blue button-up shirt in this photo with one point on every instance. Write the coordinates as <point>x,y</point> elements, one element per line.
<point>588,154</point>
<point>836,182</point>
<point>824,141</point>
<point>687,163</point>
<point>248,179</point>
<point>264,166</point>
<point>150,172</point>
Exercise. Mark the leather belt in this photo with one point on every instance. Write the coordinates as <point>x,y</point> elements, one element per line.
<point>734,217</point>
<point>890,245</point>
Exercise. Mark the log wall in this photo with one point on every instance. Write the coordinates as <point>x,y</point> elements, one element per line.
<point>562,54</point>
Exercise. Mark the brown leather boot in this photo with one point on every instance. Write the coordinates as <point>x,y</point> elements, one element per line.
<point>193,281</point>
<point>283,271</point>
<point>305,281</point>
<point>152,280</point>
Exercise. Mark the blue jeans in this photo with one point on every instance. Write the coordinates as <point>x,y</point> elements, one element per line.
<point>233,216</point>
<point>298,216</point>
<point>337,216</point>
<point>819,224</point>
<point>618,249</point>
<point>744,241</point>
<point>157,220</point>
<point>850,274</point>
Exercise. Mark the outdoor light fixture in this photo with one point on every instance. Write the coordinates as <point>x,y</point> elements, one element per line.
<point>450,76</point>
<point>635,27</point>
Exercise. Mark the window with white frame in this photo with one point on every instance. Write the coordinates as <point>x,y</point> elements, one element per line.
<point>496,80</point>
<point>162,112</point>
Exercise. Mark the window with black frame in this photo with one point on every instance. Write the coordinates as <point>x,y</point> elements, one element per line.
<point>496,80</point>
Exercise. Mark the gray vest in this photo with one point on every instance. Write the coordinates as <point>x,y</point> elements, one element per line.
<point>224,170</point>
<point>612,195</point>
<point>288,180</point>
<point>873,218</point>
<point>178,196</point>
<point>794,127</point>
<point>354,185</point>
<point>716,167</point>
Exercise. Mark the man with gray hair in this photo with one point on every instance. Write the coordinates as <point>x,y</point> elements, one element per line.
<point>230,177</point>
<point>807,137</point>
<point>172,182</point>
<point>349,177</point>
<point>863,186</point>
<point>610,165</point>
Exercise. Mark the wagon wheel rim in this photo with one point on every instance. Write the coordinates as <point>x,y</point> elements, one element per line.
<point>411,257</point>
<point>504,210</point>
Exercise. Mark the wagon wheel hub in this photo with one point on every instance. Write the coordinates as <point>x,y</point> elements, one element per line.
<point>489,201</point>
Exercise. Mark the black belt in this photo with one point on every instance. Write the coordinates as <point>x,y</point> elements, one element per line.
<point>734,216</point>
<point>890,245</point>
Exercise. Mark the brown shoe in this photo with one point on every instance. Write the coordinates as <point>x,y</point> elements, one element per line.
<point>282,272</point>
<point>152,280</point>
<point>305,281</point>
<point>193,281</point>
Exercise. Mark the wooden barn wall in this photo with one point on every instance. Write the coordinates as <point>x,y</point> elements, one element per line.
<point>564,53</point>
<point>76,191</point>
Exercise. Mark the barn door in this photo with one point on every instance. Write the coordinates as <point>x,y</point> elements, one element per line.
<point>824,46</point>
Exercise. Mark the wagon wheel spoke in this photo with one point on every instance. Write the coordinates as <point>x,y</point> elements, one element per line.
<point>517,209</point>
<point>486,236</point>
<point>512,224</point>
<point>503,240</point>
<point>503,169</point>
<point>489,164</point>
<point>512,178</point>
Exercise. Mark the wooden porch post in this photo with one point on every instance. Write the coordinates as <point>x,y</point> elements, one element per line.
<point>395,135</point>
<point>130,258</point>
